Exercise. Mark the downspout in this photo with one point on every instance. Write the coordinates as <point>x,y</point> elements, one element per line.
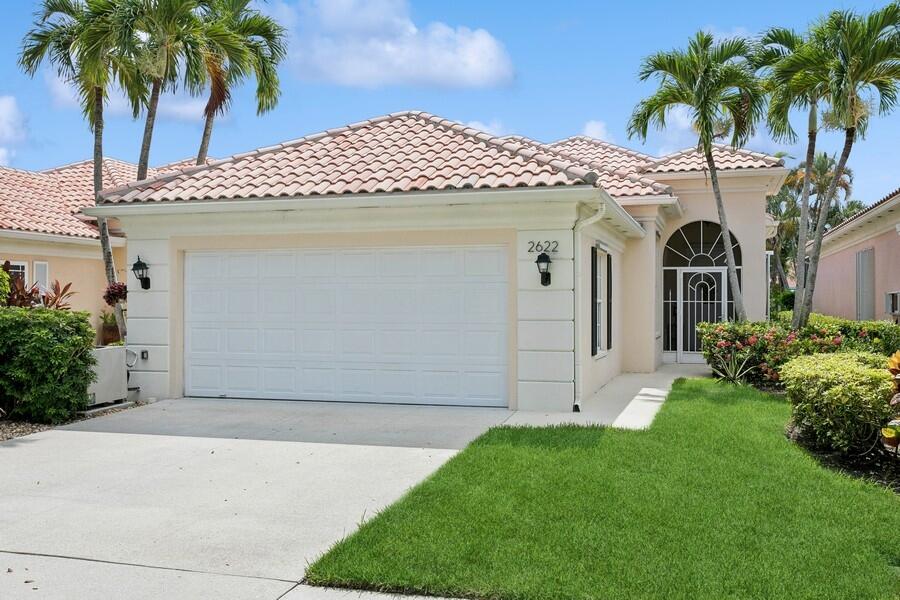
<point>576,246</point>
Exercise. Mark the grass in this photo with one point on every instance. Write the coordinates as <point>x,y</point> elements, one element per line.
<point>712,502</point>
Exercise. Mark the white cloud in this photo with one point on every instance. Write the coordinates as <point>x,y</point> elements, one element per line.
<point>597,130</point>
<point>679,132</point>
<point>174,106</point>
<point>493,127</point>
<point>727,34</point>
<point>375,43</point>
<point>12,127</point>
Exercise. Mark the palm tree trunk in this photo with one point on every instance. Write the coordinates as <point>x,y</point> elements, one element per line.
<point>824,207</point>
<point>148,129</point>
<point>105,247</point>
<point>803,229</point>
<point>204,141</point>
<point>738,297</point>
<point>779,267</point>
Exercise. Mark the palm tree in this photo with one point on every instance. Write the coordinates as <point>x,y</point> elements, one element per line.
<point>167,39</point>
<point>717,83</point>
<point>861,56</point>
<point>262,40</point>
<point>789,89</point>
<point>63,36</point>
<point>821,176</point>
<point>784,207</point>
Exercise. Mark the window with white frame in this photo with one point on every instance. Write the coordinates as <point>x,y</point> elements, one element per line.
<point>601,301</point>
<point>892,304</point>
<point>42,275</point>
<point>19,270</point>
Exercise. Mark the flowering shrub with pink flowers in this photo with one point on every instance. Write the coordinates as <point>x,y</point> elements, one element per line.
<point>767,346</point>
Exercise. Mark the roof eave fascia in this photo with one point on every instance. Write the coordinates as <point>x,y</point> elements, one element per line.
<point>559,193</point>
<point>621,217</point>
<point>58,238</point>
<point>852,225</point>
<point>670,204</point>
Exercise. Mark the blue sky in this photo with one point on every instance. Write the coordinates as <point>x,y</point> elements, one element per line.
<point>544,70</point>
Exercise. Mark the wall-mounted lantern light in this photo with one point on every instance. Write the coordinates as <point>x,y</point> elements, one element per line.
<point>140,270</point>
<point>543,264</point>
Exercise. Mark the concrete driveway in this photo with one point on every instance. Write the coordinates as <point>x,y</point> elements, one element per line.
<point>208,498</point>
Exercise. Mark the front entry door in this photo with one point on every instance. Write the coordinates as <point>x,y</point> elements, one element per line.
<point>702,297</point>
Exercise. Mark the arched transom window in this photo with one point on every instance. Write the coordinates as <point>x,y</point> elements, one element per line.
<point>699,244</point>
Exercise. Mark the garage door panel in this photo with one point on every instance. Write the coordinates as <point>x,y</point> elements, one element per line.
<point>401,325</point>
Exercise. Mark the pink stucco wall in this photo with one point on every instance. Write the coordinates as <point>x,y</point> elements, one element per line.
<point>836,283</point>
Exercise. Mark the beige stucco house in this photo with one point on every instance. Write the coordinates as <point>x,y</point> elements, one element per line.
<point>859,269</point>
<point>397,260</point>
<point>45,238</point>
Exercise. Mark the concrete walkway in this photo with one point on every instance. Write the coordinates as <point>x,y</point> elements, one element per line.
<point>629,401</point>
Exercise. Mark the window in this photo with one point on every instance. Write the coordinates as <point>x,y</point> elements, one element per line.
<point>892,304</point>
<point>42,275</point>
<point>19,270</point>
<point>601,301</point>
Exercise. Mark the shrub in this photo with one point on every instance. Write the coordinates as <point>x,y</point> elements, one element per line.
<point>766,346</point>
<point>881,337</point>
<point>4,286</point>
<point>781,299</point>
<point>45,363</point>
<point>840,401</point>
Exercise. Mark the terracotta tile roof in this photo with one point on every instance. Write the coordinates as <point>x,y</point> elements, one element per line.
<point>48,201</point>
<point>597,151</point>
<point>726,157</point>
<point>400,152</point>
<point>617,181</point>
<point>862,215</point>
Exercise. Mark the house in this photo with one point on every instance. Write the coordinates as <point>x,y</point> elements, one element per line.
<point>44,236</point>
<point>859,268</point>
<point>399,260</point>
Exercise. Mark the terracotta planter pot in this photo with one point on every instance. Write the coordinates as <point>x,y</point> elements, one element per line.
<point>108,334</point>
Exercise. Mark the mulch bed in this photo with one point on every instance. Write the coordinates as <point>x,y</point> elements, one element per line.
<point>879,465</point>
<point>10,429</point>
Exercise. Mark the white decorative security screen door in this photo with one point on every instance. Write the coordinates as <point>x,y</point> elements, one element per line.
<point>702,297</point>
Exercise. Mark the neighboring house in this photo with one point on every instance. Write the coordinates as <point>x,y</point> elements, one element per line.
<point>394,260</point>
<point>859,269</point>
<point>44,236</point>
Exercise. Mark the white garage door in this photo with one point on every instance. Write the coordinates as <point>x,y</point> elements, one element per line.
<point>403,325</point>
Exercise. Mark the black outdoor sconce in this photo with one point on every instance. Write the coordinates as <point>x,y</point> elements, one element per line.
<point>543,264</point>
<point>140,270</point>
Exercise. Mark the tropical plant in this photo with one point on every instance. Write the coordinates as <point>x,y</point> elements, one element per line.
<point>779,50</point>
<point>166,38</point>
<point>115,294</point>
<point>717,84</point>
<point>821,176</point>
<point>57,297</point>
<point>77,40</point>
<point>854,60</point>
<point>22,295</point>
<point>260,48</point>
<point>785,209</point>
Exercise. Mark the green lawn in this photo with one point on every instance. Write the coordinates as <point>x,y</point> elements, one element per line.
<point>712,502</point>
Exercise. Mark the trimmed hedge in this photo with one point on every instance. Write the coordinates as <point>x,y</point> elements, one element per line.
<point>45,363</point>
<point>840,400</point>
<point>882,337</point>
<point>4,287</point>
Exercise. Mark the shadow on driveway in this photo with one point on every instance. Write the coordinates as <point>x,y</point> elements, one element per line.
<point>293,421</point>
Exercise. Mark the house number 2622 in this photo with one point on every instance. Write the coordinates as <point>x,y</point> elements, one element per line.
<point>543,246</point>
